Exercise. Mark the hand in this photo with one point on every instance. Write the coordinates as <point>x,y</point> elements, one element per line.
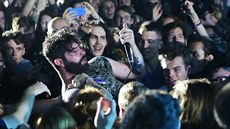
<point>86,27</point>
<point>36,89</point>
<point>187,7</point>
<point>127,36</point>
<point>41,5</point>
<point>79,79</point>
<point>157,12</point>
<point>70,16</point>
<point>105,119</point>
<point>89,8</point>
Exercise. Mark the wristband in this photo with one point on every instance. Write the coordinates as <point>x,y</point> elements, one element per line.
<point>198,23</point>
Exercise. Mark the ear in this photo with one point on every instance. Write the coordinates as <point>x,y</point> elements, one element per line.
<point>159,45</point>
<point>185,42</point>
<point>59,62</point>
<point>209,58</point>
<point>188,70</point>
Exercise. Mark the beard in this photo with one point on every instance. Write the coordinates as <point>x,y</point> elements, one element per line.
<point>76,68</point>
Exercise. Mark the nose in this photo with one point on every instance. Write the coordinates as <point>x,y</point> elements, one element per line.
<point>146,44</point>
<point>171,73</point>
<point>82,52</point>
<point>13,52</point>
<point>98,41</point>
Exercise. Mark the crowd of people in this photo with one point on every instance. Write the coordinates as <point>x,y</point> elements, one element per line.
<point>114,64</point>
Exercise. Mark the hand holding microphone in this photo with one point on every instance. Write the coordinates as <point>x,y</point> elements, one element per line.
<point>127,39</point>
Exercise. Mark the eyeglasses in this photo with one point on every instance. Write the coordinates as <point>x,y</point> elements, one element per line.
<point>126,18</point>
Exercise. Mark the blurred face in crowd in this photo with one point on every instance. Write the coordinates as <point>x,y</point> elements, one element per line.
<point>97,41</point>
<point>14,52</point>
<point>150,44</point>
<point>177,35</point>
<point>124,17</point>
<point>56,24</point>
<point>210,19</point>
<point>125,2</point>
<point>175,70</point>
<point>2,20</point>
<point>44,21</point>
<point>109,9</point>
<point>198,57</point>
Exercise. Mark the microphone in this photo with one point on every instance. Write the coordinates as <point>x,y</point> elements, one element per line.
<point>129,53</point>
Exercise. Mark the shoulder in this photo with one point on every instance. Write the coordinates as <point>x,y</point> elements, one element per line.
<point>99,60</point>
<point>26,62</point>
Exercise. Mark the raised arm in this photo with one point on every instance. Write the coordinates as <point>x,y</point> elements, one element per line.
<point>23,111</point>
<point>195,19</point>
<point>121,70</point>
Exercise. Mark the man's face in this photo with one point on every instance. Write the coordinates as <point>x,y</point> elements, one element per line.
<point>125,2</point>
<point>210,19</point>
<point>177,35</point>
<point>198,62</point>
<point>75,60</point>
<point>124,17</point>
<point>109,9</point>
<point>175,70</point>
<point>150,44</point>
<point>14,52</point>
<point>97,41</point>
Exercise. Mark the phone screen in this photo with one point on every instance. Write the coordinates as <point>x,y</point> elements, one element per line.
<point>79,11</point>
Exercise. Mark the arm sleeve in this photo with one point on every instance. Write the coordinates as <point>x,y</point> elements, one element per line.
<point>10,122</point>
<point>2,124</point>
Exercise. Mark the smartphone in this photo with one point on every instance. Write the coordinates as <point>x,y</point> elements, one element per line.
<point>79,11</point>
<point>106,106</point>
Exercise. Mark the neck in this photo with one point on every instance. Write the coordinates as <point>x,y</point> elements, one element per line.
<point>151,65</point>
<point>66,78</point>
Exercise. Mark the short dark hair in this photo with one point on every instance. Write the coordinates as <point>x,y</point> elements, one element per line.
<point>208,46</point>
<point>172,26</point>
<point>154,109</point>
<point>150,26</point>
<point>125,8</point>
<point>57,44</point>
<point>16,36</point>
<point>176,49</point>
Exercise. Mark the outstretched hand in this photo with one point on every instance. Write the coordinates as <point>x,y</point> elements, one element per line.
<point>36,89</point>
<point>106,113</point>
